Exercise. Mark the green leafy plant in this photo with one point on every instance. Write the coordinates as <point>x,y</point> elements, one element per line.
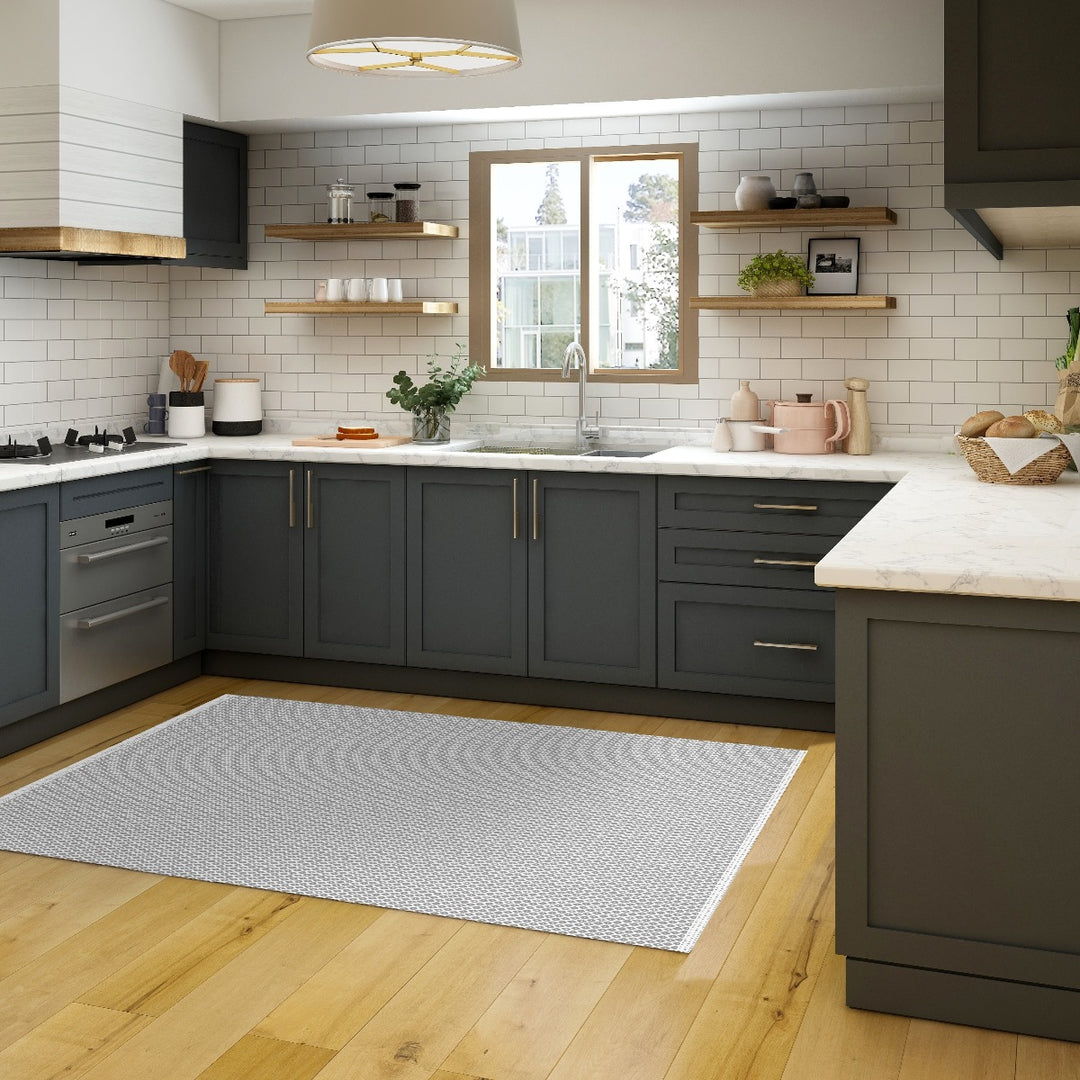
<point>776,266</point>
<point>1062,362</point>
<point>444,389</point>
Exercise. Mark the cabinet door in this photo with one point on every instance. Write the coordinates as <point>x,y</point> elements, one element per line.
<point>466,591</point>
<point>255,558</point>
<point>190,485</point>
<point>354,563</point>
<point>215,197</point>
<point>592,577</point>
<point>29,584</point>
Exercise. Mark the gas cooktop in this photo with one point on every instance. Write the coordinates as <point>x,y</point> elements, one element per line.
<point>75,447</point>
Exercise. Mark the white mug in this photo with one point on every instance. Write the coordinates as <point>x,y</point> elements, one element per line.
<point>379,291</point>
<point>357,289</point>
<point>394,290</point>
<point>335,288</point>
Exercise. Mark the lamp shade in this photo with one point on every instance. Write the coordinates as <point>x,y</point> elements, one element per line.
<point>415,37</point>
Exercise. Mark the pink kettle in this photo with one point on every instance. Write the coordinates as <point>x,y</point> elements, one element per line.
<point>805,427</point>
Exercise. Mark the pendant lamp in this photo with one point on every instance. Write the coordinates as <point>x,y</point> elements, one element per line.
<point>415,37</point>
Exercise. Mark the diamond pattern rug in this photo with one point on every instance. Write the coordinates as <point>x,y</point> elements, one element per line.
<point>597,834</point>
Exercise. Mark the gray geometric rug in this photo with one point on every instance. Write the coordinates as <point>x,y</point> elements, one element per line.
<point>597,834</point>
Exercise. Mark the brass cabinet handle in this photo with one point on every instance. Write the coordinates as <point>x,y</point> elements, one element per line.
<point>188,472</point>
<point>783,506</point>
<point>515,517</point>
<point>784,645</point>
<point>292,498</point>
<point>536,509</point>
<point>785,562</point>
<point>310,505</point>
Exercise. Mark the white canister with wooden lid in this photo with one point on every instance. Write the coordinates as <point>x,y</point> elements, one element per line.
<point>237,407</point>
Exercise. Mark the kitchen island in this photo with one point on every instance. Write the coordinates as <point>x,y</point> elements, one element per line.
<point>957,741</point>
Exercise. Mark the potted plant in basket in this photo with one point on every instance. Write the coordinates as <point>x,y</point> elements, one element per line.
<point>775,274</point>
<point>432,403</point>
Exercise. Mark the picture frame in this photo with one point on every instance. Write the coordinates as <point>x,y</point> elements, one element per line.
<point>834,262</point>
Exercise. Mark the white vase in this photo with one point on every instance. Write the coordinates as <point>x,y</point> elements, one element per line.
<point>754,193</point>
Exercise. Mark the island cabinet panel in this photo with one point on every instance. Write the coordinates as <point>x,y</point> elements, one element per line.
<point>354,563</point>
<point>191,485</point>
<point>958,808</point>
<point>29,584</point>
<point>467,563</point>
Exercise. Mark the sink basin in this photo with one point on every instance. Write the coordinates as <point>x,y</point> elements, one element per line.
<point>557,451</point>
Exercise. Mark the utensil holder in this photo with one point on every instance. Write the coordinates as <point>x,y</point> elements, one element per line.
<point>187,415</point>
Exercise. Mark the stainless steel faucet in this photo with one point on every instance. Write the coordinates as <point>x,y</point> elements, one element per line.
<point>588,435</point>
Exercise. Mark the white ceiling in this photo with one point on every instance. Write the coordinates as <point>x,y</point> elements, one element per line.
<point>244,9</point>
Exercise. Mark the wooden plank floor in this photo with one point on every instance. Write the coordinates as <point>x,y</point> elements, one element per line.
<point>110,974</point>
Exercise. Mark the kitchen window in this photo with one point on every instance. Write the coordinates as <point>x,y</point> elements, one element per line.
<point>591,245</point>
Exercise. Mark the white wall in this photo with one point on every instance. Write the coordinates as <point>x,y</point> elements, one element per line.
<point>144,51</point>
<point>601,51</point>
<point>28,43</point>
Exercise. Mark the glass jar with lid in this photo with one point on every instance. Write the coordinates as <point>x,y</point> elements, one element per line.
<point>405,207</point>
<point>381,206</point>
<point>339,196</point>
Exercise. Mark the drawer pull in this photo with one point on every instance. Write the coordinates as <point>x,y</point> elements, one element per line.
<point>310,507</point>
<point>785,562</point>
<point>114,616</point>
<point>784,506</point>
<point>514,520</point>
<point>189,472</point>
<point>784,645</point>
<point>127,549</point>
<point>536,510</point>
<point>292,498</point>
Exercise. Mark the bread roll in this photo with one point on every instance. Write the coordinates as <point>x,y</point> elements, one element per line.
<point>976,425</point>
<point>1012,427</point>
<point>1045,421</point>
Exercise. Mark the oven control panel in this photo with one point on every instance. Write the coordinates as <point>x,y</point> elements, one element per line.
<point>119,523</point>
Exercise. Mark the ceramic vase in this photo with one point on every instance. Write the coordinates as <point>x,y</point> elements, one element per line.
<point>754,193</point>
<point>745,404</point>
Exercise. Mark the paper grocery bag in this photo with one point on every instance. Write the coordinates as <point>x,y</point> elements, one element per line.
<point>1067,406</point>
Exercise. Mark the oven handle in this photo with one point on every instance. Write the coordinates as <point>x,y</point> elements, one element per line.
<point>114,616</point>
<point>127,549</point>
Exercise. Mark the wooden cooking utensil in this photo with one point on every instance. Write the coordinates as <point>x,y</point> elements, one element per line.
<point>182,364</point>
<point>201,368</point>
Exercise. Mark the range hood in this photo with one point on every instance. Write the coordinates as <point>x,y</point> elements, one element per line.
<point>88,245</point>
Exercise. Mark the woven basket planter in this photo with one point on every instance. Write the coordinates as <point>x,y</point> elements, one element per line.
<point>988,467</point>
<point>778,287</point>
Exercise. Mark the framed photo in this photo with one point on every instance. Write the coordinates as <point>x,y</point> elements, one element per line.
<point>834,262</point>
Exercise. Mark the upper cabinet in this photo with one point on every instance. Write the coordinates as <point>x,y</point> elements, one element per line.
<point>1012,122</point>
<point>215,197</point>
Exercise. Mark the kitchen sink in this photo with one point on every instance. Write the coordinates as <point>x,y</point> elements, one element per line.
<point>558,451</point>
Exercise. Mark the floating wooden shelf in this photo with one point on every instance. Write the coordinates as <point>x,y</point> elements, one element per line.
<point>774,303</point>
<point>360,307</point>
<point>364,230</point>
<point>855,216</point>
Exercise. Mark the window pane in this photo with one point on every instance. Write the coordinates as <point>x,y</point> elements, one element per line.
<point>535,208</point>
<point>635,210</point>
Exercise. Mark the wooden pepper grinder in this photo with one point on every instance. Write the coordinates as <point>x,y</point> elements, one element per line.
<point>858,442</point>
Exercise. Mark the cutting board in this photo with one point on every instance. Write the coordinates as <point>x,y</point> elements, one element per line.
<point>353,444</point>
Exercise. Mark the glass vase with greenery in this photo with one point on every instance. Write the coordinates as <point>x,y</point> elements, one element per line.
<point>775,274</point>
<point>431,403</point>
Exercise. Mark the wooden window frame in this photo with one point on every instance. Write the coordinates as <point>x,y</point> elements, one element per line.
<point>480,250</point>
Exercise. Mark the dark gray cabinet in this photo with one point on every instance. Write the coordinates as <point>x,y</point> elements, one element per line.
<point>958,808</point>
<point>306,560</point>
<point>545,574</point>
<point>354,563</point>
<point>739,612</point>
<point>1012,117</point>
<point>190,491</point>
<point>215,197</point>
<point>29,584</point>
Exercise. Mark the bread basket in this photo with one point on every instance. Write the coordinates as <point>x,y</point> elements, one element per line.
<point>989,468</point>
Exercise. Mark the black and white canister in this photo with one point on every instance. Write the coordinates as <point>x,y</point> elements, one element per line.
<point>237,407</point>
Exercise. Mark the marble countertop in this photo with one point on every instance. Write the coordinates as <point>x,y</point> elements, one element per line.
<point>939,530</point>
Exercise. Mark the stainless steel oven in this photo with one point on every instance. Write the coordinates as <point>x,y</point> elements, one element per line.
<point>115,597</point>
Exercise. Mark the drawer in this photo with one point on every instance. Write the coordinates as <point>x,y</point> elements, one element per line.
<point>92,573</point>
<point>100,494</point>
<point>809,507</point>
<point>760,642</point>
<point>766,560</point>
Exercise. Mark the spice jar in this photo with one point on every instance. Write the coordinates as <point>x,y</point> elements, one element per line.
<point>379,201</point>
<point>405,209</point>
<point>340,196</point>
